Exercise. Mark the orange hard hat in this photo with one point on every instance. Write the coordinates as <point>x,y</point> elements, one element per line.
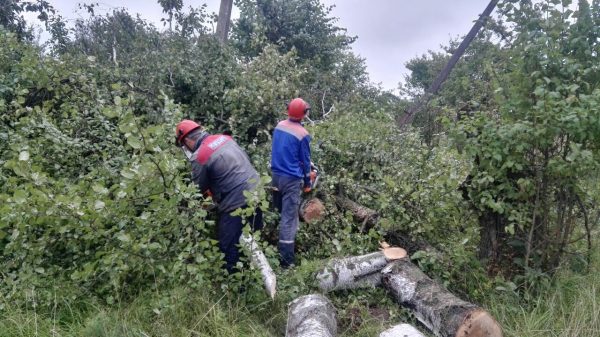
<point>297,108</point>
<point>183,129</point>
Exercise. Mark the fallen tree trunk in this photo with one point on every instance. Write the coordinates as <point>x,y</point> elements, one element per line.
<point>402,330</point>
<point>357,271</point>
<point>311,316</point>
<point>369,218</point>
<point>440,311</point>
<point>259,260</point>
<point>362,214</point>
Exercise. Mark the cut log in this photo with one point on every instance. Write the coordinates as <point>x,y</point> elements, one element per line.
<point>360,213</point>
<point>357,271</point>
<point>312,210</point>
<point>413,245</point>
<point>311,316</point>
<point>402,330</point>
<point>259,260</point>
<point>440,311</point>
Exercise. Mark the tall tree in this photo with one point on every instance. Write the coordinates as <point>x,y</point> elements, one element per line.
<point>224,19</point>
<point>306,28</point>
<point>533,155</point>
<point>303,25</point>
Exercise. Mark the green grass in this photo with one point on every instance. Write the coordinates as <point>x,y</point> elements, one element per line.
<point>179,312</point>
<point>185,312</point>
<point>570,307</point>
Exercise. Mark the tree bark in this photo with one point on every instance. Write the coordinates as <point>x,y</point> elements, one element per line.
<point>440,311</point>
<point>259,260</point>
<point>362,214</point>
<point>311,316</point>
<point>402,330</point>
<point>357,271</point>
<point>224,19</point>
<point>492,238</point>
<point>369,218</point>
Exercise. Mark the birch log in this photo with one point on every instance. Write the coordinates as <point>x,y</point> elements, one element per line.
<point>402,330</point>
<point>357,271</point>
<point>259,260</point>
<point>311,316</point>
<point>440,311</point>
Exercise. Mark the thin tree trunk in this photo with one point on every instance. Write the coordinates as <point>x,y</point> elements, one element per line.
<point>409,115</point>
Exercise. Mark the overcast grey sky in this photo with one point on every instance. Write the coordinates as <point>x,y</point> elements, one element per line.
<point>390,32</point>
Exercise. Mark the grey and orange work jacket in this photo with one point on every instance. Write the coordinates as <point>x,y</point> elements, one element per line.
<point>219,165</point>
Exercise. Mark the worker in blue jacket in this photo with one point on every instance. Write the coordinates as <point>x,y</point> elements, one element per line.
<point>291,167</point>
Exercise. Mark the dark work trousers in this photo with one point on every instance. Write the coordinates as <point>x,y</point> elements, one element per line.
<point>287,201</point>
<point>230,229</point>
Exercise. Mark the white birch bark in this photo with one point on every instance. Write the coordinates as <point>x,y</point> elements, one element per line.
<point>259,260</point>
<point>311,316</point>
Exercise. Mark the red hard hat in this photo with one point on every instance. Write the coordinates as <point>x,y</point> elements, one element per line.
<point>183,129</point>
<point>297,108</point>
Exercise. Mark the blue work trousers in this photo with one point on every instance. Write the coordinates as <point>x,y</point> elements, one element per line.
<point>287,201</point>
<point>230,229</point>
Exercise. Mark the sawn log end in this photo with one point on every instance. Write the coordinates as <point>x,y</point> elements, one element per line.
<point>479,323</point>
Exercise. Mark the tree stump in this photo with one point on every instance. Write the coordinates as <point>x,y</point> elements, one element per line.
<point>440,311</point>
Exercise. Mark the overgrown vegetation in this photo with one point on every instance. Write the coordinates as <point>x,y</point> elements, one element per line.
<point>494,189</point>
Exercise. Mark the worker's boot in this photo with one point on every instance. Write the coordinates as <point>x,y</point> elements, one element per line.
<point>286,253</point>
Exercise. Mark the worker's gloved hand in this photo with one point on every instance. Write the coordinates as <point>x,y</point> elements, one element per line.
<point>306,189</point>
